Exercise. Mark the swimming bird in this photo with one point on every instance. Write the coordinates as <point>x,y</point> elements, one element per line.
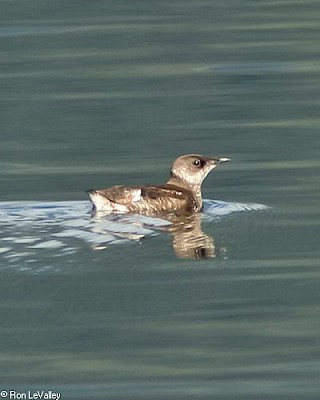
<point>180,195</point>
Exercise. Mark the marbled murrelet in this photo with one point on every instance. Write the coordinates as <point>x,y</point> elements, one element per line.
<point>180,195</point>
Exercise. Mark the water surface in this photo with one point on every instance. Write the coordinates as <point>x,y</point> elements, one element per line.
<point>101,93</point>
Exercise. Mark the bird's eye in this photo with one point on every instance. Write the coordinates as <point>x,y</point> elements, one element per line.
<point>197,163</point>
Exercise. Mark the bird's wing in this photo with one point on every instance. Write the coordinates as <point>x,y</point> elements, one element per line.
<point>121,194</point>
<point>168,197</point>
<point>151,198</point>
<point>168,191</point>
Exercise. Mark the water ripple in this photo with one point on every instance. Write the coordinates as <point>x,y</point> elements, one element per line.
<point>35,232</point>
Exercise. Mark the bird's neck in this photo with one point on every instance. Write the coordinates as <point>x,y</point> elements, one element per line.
<point>195,189</point>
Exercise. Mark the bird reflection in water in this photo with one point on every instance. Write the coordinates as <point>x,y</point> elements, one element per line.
<point>188,239</point>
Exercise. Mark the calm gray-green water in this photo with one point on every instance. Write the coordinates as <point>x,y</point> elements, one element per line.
<point>98,93</point>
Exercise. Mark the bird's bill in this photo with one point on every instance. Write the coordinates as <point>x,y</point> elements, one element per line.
<point>223,160</point>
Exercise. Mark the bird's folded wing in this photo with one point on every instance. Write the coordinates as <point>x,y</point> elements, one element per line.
<point>121,194</point>
<point>130,194</point>
<point>167,191</point>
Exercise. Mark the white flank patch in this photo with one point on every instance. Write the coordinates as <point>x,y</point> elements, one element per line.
<point>136,194</point>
